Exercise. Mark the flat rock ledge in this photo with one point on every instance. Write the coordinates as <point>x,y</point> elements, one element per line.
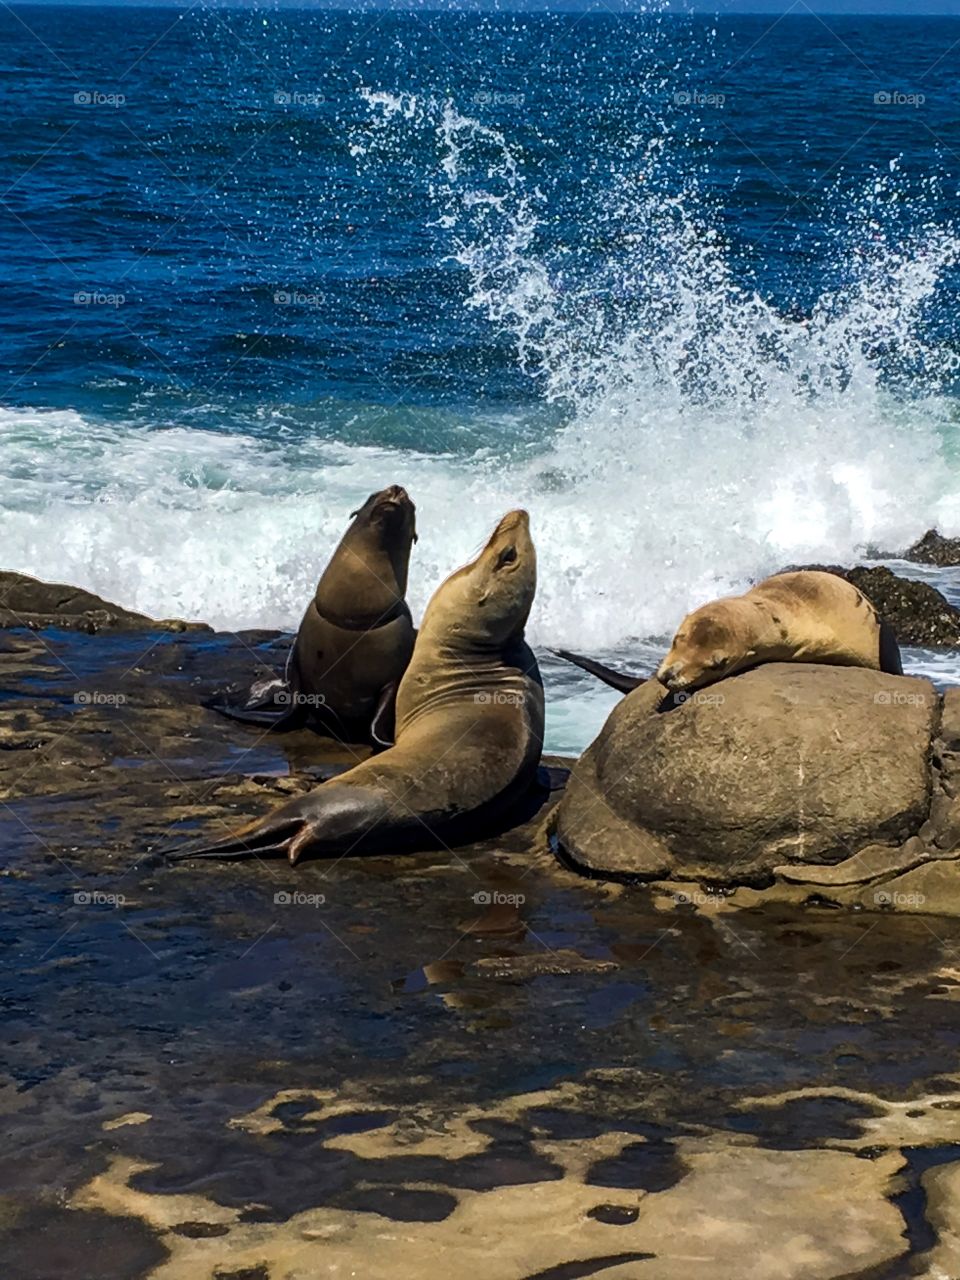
<point>27,602</point>
<point>792,782</point>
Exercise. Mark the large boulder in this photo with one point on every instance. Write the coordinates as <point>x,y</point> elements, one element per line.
<point>788,769</point>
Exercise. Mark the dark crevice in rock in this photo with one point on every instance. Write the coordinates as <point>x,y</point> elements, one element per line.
<point>589,1266</point>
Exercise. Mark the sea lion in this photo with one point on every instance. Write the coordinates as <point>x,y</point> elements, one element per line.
<point>801,615</point>
<point>469,726</point>
<point>356,636</point>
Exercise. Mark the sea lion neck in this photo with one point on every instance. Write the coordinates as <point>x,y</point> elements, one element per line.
<point>367,575</point>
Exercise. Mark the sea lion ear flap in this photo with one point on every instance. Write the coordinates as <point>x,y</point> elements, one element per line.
<point>354,513</point>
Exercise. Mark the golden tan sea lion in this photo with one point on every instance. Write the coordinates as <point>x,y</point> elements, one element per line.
<point>803,615</point>
<point>355,639</point>
<point>800,616</point>
<point>469,726</point>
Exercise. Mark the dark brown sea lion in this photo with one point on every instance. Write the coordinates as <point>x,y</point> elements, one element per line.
<point>355,639</point>
<point>469,728</point>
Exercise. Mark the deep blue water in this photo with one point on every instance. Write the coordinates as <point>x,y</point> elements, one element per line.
<point>688,289</point>
<point>224,177</point>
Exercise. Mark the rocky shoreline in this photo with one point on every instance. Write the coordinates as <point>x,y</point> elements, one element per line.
<point>385,1066</point>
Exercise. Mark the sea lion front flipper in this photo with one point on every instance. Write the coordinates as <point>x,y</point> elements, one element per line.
<point>384,718</point>
<point>618,680</point>
<point>268,703</point>
<point>890,660</point>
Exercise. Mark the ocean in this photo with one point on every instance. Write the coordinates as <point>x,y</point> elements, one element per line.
<point>686,288</point>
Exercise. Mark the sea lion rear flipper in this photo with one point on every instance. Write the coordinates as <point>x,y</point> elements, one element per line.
<point>268,703</point>
<point>889,650</point>
<point>616,679</point>
<point>384,717</point>
<point>269,835</point>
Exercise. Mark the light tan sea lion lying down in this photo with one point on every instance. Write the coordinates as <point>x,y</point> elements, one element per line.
<point>804,615</point>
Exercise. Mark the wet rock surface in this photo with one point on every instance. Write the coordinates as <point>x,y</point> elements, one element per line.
<point>389,1067</point>
<point>934,548</point>
<point>28,602</point>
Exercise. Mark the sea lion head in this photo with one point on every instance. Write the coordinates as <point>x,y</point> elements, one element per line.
<point>384,529</point>
<point>389,514</point>
<point>487,602</point>
<point>711,643</point>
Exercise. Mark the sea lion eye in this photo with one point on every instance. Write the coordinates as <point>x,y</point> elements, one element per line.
<point>507,556</point>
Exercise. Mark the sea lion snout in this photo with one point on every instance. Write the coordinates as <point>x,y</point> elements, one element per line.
<point>513,520</point>
<point>395,495</point>
<point>671,676</point>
